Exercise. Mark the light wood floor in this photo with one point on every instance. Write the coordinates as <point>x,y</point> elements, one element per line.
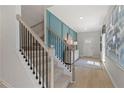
<point>87,77</point>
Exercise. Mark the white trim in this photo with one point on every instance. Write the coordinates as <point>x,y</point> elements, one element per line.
<point>113,82</point>
<point>28,71</point>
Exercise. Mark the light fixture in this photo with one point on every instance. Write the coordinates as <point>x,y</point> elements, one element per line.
<point>81,17</point>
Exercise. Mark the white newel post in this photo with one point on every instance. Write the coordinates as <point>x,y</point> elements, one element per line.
<point>73,68</point>
<point>52,54</point>
<point>73,63</point>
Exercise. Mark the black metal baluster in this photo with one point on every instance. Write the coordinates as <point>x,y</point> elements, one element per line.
<point>33,57</point>
<point>28,49</point>
<point>55,46</point>
<point>31,51</point>
<point>20,37</point>
<point>23,45</point>
<point>36,60</point>
<point>63,53</point>
<point>51,39</point>
<point>61,50</point>
<point>48,38</point>
<point>39,64</point>
<point>26,44</point>
<point>58,48</point>
<point>54,41</point>
<point>24,41</point>
<point>46,69</point>
<point>43,67</point>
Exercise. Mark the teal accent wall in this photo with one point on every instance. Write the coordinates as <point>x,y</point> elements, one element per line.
<point>61,29</point>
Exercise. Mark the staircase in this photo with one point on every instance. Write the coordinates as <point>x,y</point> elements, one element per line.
<point>48,65</point>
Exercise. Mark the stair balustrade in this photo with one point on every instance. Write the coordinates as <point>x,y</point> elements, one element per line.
<point>36,54</point>
<point>63,51</point>
<point>40,58</point>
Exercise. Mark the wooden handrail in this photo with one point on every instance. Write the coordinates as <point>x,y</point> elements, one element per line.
<point>20,19</point>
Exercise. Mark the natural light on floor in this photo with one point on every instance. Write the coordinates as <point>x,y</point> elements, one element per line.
<point>93,63</point>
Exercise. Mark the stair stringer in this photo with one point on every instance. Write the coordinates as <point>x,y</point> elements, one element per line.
<point>29,72</point>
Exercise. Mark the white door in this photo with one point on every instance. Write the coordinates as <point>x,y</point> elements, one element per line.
<point>87,48</point>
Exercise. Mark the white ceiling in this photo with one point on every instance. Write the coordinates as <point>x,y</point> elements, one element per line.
<point>93,16</point>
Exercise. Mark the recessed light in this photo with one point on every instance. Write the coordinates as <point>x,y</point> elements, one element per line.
<point>81,17</point>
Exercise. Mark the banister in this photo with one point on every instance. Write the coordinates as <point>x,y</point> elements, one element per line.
<point>19,18</point>
<point>59,37</point>
<point>38,57</point>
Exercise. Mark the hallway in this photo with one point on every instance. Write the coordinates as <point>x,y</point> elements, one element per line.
<point>90,74</point>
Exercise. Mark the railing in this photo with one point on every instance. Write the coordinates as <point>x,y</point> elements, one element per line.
<point>63,51</point>
<point>37,56</point>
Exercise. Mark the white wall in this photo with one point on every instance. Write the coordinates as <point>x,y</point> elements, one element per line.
<point>0,45</point>
<point>13,72</point>
<point>33,14</point>
<point>115,72</point>
<point>89,44</point>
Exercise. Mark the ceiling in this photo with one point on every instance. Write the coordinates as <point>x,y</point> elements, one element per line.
<point>81,18</point>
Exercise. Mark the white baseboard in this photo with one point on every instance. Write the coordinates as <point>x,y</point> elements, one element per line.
<point>113,82</point>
